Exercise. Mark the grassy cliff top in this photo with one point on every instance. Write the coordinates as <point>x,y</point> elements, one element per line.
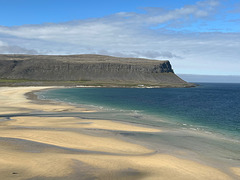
<point>82,58</point>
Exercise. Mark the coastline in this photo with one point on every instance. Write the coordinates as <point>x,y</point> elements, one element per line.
<point>37,143</point>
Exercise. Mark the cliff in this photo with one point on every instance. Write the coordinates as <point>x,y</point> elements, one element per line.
<point>88,69</point>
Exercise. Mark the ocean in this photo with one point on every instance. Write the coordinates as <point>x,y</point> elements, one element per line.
<point>203,120</point>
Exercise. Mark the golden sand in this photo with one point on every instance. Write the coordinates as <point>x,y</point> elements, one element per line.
<point>57,147</point>
<point>158,166</point>
<point>77,123</point>
<point>13,100</point>
<point>236,170</point>
<point>76,141</point>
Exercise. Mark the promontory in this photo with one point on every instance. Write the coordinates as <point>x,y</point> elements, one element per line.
<point>87,70</point>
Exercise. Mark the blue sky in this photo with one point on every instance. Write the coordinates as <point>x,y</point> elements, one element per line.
<point>197,36</point>
<point>42,11</point>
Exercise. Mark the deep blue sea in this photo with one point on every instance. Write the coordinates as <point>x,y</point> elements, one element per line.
<point>209,107</point>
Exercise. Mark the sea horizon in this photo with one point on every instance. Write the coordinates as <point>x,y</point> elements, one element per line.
<point>204,78</point>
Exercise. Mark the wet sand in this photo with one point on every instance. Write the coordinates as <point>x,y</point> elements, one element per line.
<point>68,147</point>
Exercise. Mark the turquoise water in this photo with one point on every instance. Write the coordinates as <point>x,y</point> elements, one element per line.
<point>209,107</point>
<point>201,123</point>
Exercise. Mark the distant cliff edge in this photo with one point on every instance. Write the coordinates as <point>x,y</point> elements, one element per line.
<point>86,70</point>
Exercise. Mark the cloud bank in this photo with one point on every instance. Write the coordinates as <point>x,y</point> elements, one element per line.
<point>152,34</point>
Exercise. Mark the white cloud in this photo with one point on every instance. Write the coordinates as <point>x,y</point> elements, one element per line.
<point>142,54</point>
<point>6,49</point>
<point>131,35</point>
<point>16,50</point>
<point>2,43</point>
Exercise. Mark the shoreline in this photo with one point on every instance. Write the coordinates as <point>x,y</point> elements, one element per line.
<point>40,143</point>
<point>101,84</point>
<point>197,129</point>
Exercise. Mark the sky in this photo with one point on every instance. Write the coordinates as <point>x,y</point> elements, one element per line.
<point>197,36</point>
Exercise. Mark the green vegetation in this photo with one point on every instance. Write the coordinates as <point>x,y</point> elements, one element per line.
<point>26,82</point>
<point>13,80</point>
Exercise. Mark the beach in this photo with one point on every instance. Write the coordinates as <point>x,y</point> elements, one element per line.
<point>38,143</point>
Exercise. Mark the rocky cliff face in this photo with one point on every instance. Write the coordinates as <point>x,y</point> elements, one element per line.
<point>95,68</point>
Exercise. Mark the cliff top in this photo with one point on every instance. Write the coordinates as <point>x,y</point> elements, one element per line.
<point>82,58</point>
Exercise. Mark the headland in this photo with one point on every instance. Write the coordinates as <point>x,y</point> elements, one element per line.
<point>86,70</point>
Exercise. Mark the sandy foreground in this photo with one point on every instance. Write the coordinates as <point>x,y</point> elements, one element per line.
<point>36,147</point>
